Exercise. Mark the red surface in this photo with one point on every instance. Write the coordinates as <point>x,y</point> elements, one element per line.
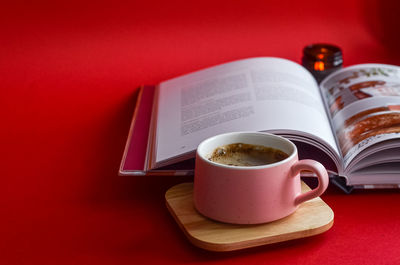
<point>68,72</point>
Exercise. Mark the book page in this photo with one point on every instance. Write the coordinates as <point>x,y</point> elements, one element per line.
<point>364,105</point>
<point>259,94</point>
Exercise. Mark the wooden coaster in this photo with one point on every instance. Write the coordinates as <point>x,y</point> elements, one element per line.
<point>311,218</point>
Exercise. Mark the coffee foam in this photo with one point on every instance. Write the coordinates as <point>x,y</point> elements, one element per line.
<point>240,154</point>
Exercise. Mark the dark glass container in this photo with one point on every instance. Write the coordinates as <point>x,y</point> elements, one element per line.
<point>322,59</point>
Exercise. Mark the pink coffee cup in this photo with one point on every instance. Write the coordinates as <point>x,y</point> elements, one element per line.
<point>255,194</point>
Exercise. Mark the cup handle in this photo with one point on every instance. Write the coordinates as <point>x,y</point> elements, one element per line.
<point>322,175</point>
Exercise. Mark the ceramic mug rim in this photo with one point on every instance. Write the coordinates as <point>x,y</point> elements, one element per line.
<point>202,156</point>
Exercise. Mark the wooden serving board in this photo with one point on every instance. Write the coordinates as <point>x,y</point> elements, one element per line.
<point>311,218</point>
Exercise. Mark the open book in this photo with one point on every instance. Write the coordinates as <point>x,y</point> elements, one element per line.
<point>350,122</point>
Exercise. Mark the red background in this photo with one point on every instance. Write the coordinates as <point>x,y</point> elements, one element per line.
<point>68,76</point>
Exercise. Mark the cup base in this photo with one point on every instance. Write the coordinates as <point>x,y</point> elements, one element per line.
<point>242,220</point>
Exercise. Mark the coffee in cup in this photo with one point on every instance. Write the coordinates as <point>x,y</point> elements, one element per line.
<point>241,154</point>
<point>251,194</point>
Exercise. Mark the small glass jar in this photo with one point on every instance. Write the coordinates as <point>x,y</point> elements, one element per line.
<point>322,59</point>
